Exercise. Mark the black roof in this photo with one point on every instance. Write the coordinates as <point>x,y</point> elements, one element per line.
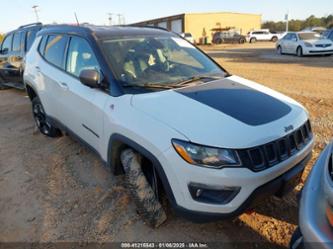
<point>102,32</point>
<point>26,26</point>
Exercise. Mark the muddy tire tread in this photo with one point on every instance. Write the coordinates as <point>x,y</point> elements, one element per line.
<point>148,205</point>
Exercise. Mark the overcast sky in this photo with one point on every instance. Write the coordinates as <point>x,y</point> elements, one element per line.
<point>17,12</point>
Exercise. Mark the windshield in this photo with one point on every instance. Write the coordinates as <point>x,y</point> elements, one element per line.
<point>309,36</point>
<point>139,60</point>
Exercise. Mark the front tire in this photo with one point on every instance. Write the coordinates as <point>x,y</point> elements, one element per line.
<point>253,40</point>
<point>241,41</point>
<point>143,191</point>
<point>299,51</point>
<point>274,39</point>
<point>41,121</point>
<point>279,50</point>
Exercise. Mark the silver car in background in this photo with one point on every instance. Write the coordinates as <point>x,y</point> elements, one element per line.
<point>304,43</point>
<point>316,206</point>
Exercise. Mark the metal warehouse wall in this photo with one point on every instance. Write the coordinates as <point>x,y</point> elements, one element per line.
<point>199,24</point>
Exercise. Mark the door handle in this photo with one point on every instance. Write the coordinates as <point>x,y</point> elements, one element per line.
<point>63,85</point>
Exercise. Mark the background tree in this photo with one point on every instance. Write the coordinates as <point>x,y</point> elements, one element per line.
<point>297,25</point>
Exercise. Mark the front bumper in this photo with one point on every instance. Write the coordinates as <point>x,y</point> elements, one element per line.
<point>317,232</point>
<point>252,184</point>
<point>317,51</point>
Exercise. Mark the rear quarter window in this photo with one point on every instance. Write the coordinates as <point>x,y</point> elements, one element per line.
<point>41,47</point>
<point>7,43</point>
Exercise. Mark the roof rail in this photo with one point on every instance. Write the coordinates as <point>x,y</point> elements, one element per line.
<point>146,26</point>
<point>30,24</point>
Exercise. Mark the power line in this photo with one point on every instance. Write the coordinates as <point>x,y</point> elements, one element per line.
<point>121,18</point>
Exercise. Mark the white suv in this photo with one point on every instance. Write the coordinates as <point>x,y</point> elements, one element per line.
<point>262,35</point>
<point>160,111</point>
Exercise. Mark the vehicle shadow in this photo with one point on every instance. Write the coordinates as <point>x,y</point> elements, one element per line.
<point>269,55</point>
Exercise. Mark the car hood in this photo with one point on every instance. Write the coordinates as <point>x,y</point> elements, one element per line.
<point>318,42</point>
<point>232,112</point>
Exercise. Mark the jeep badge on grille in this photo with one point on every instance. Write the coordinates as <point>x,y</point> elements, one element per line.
<point>288,128</point>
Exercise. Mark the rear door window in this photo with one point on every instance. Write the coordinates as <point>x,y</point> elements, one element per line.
<point>7,43</point>
<point>17,42</point>
<point>287,37</point>
<point>55,50</point>
<point>293,37</point>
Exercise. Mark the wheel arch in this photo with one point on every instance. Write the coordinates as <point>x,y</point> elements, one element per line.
<point>32,93</point>
<point>119,142</point>
<point>299,46</point>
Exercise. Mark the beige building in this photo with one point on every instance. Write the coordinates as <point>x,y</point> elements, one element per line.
<point>202,25</point>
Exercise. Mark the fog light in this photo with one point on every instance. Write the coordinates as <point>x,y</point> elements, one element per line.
<point>198,193</point>
<point>213,195</point>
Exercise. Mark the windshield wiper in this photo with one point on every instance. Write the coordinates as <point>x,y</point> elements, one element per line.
<point>195,78</point>
<point>150,85</point>
<point>173,85</point>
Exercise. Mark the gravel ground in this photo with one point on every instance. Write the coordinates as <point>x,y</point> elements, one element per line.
<point>55,190</point>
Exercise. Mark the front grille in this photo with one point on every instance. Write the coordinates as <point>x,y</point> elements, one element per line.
<point>323,45</point>
<point>265,156</point>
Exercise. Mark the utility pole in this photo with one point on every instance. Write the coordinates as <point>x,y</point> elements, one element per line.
<point>287,21</point>
<point>35,7</point>
<point>110,18</point>
<point>119,18</point>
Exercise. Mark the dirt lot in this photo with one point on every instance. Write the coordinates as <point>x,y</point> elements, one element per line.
<point>56,190</point>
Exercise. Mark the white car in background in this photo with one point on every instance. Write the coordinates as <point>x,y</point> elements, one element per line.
<point>304,43</point>
<point>188,36</point>
<point>262,35</point>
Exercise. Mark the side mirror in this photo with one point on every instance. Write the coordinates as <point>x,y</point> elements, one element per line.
<point>90,77</point>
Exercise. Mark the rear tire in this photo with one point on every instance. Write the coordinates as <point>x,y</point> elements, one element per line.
<point>41,121</point>
<point>2,86</point>
<point>299,51</point>
<point>241,41</point>
<point>296,241</point>
<point>274,39</point>
<point>218,41</point>
<point>253,40</point>
<point>145,196</point>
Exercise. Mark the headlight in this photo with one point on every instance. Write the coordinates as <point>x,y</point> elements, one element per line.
<point>205,155</point>
<point>308,44</point>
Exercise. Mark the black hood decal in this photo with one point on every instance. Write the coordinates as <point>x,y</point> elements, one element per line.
<point>243,103</point>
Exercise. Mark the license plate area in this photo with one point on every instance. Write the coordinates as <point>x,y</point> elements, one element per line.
<point>289,182</point>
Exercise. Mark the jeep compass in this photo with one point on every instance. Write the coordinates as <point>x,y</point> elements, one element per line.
<point>159,110</point>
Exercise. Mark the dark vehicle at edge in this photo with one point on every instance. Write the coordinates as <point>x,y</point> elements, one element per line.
<point>13,49</point>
